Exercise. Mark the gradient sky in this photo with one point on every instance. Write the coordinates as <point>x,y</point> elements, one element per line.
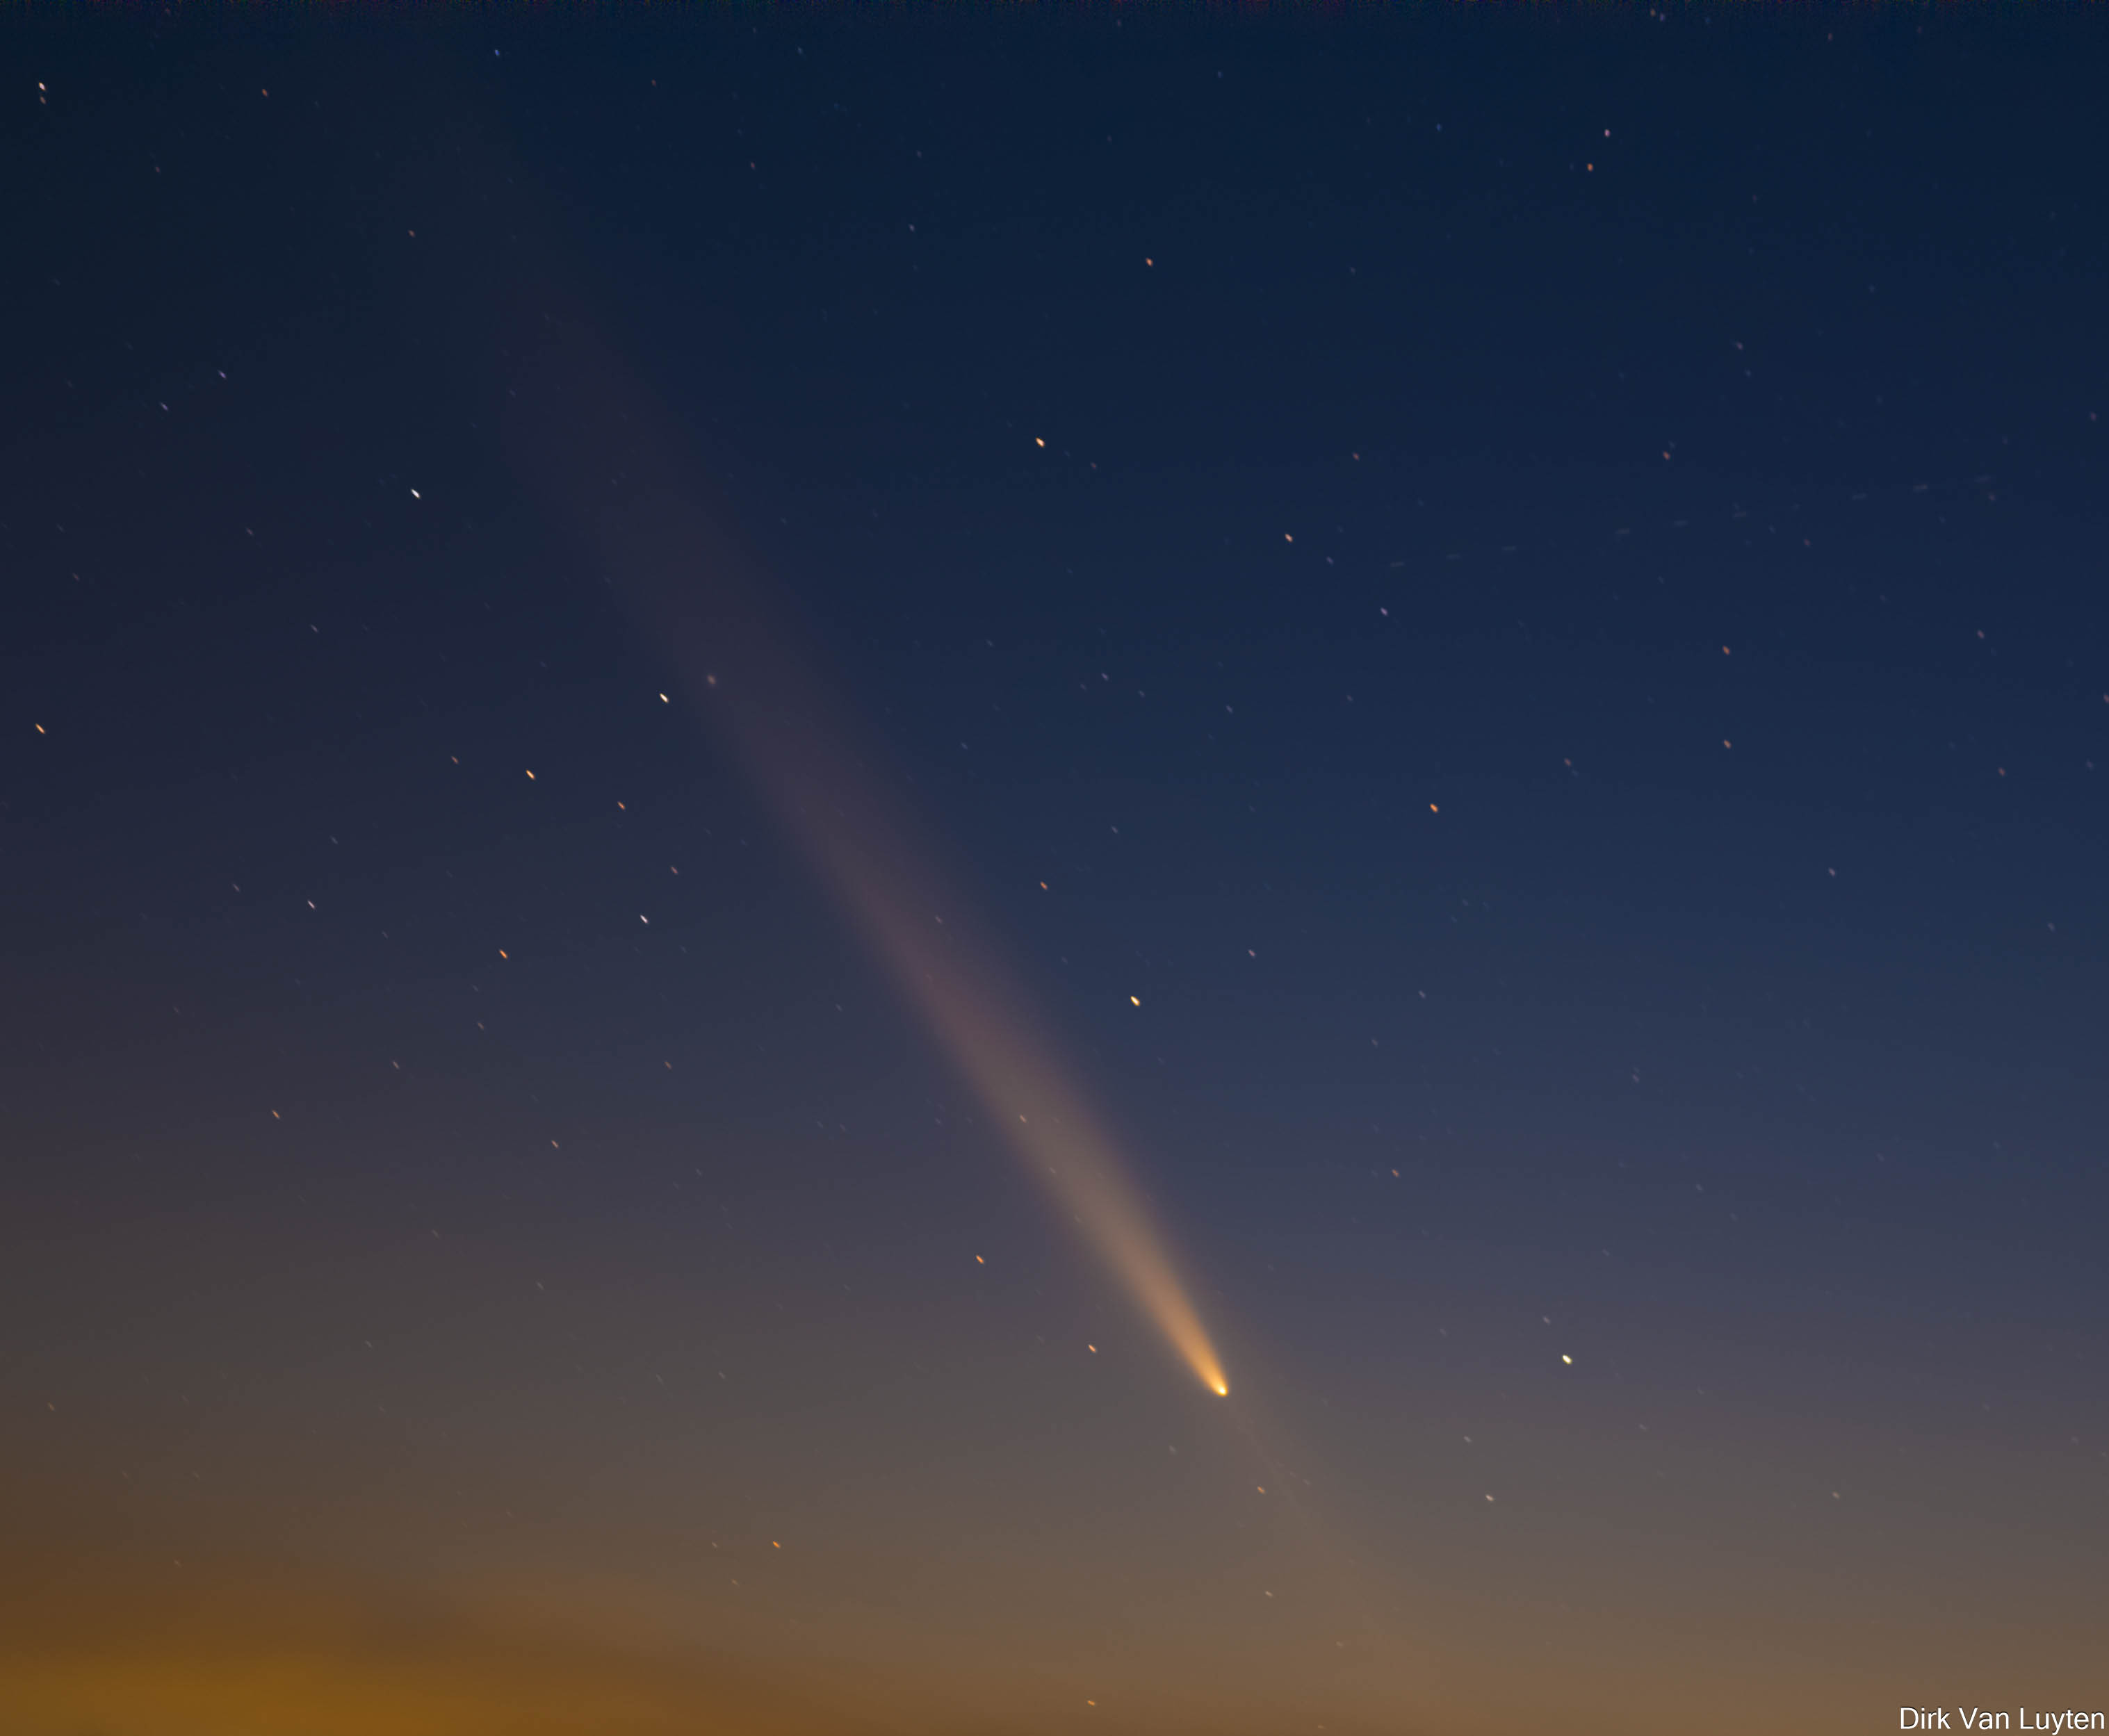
<point>1498,614</point>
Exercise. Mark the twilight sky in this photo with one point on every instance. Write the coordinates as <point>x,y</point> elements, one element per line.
<point>1492,623</point>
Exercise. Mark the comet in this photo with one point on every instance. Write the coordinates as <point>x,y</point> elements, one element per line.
<point>601,451</point>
